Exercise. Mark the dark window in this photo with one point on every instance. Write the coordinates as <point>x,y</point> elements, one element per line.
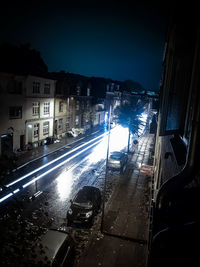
<point>177,78</point>
<point>15,87</point>
<point>61,106</point>
<point>15,112</point>
<point>60,124</point>
<point>67,122</point>
<point>36,87</point>
<point>47,88</point>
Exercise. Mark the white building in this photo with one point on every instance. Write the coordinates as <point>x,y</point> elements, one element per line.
<point>39,109</point>
<point>26,111</point>
<point>98,114</point>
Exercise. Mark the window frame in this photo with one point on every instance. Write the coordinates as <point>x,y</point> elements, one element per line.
<point>60,124</point>
<point>46,110</point>
<point>47,88</point>
<point>46,128</point>
<point>36,130</point>
<point>15,112</point>
<point>36,87</point>
<point>61,106</point>
<point>36,108</point>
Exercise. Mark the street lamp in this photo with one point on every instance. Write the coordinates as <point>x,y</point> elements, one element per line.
<point>106,172</point>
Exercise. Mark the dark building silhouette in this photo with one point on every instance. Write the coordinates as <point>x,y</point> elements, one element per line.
<point>175,225</point>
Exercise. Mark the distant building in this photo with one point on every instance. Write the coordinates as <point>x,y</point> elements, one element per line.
<point>113,98</point>
<point>98,112</point>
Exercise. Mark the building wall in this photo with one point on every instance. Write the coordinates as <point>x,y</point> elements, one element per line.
<point>175,221</point>
<point>17,91</point>
<point>45,101</point>
<point>60,114</point>
<point>11,126</point>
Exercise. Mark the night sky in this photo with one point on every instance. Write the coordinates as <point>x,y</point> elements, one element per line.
<point>92,38</point>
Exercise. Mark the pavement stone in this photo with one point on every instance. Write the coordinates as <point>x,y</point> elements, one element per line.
<point>124,239</point>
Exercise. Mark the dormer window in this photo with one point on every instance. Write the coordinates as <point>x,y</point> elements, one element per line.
<point>88,91</point>
<point>78,90</point>
<point>36,87</point>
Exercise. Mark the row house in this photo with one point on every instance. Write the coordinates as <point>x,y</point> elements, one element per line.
<point>27,111</point>
<point>113,98</point>
<point>61,116</point>
<point>34,108</point>
<point>75,102</point>
<point>98,113</point>
<point>81,109</point>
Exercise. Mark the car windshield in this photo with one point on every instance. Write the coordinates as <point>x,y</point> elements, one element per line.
<point>116,156</point>
<point>83,196</point>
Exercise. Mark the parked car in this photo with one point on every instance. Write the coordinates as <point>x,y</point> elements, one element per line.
<point>54,248</point>
<point>117,160</point>
<point>74,132</point>
<point>84,206</point>
<point>50,140</point>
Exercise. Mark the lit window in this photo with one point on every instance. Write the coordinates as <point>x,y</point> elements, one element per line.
<point>36,129</point>
<point>46,108</point>
<point>36,87</point>
<point>35,108</point>
<point>45,127</point>
<point>76,120</point>
<point>77,105</point>
<point>47,88</point>
<point>78,90</point>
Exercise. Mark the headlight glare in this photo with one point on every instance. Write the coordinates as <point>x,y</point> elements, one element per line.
<point>88,214</point>
<point>70,211</point>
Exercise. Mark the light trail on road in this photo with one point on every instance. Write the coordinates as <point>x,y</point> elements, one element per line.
<point>51,162</point>
<point>119,136</point>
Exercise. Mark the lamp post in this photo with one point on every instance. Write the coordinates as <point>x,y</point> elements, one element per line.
<point>106,172</point>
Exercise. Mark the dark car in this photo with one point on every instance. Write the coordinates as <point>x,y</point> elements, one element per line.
<point>54,248</point>
<point>50,140</point>
<point>85,206</point>
<point>117,160</point>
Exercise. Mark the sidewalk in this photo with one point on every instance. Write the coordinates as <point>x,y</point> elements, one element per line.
<point>126,218</point>
<point>41,151</point>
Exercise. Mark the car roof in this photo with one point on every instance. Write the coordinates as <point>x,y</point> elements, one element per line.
<point>89,188</point>
<point>117,153</point>
<point>51,242</point>
<point>85,194</point>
